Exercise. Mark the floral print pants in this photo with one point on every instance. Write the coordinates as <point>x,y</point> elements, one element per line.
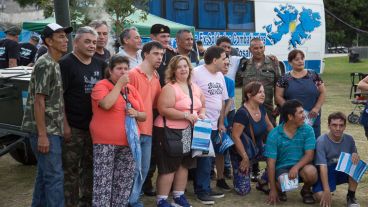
<point>113,173</point>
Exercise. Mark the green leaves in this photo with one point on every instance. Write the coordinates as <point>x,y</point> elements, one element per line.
<point>354,13</point>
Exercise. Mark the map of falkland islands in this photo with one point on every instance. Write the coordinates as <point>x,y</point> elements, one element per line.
<point>299,24</point>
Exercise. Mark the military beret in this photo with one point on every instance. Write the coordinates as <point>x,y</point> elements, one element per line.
<point>159,28</point>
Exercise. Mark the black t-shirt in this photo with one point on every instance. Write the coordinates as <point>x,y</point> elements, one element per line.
<point>105,57</point>
<point>9,49</point>
<point>165,61</point>
<point>78,81</point>
<point>41,51</point>
<point>27,53</point>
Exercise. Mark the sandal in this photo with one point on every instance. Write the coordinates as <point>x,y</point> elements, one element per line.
<point>307,196</point>
<point>262,185</point>
<point>282,196</point>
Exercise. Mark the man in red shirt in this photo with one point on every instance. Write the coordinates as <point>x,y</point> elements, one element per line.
<point>145,79</point>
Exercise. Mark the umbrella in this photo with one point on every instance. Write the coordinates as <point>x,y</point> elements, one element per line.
<point>133,140</point>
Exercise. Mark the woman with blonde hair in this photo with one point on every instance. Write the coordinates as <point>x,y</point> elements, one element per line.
<point>180,104</point>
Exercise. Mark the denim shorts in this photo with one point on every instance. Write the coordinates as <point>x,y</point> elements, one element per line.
<point>334,178</point>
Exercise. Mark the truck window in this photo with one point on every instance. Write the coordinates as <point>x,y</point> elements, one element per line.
<point>211,14</point>
<point>181,11</point>
<point>240,15</point>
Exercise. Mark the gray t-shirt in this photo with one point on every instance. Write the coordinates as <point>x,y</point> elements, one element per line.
<point>328,151</point>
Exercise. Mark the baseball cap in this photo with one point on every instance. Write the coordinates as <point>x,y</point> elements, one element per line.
<point>14,30</point>
<point>52,28</point>
<point>159,28</point>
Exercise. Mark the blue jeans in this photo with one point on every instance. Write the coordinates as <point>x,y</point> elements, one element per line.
<point>202,184</point>
<point>49,184</point>
<point>146,145</point>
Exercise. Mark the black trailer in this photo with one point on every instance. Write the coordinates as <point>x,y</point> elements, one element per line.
<point>13,95</point>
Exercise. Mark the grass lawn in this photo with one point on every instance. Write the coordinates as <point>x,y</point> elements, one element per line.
<point>337,80</point>
<point>17,180</point>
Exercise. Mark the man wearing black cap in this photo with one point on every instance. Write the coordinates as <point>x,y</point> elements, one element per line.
<point>44,118</point>
<point>161,34</point>
<point>9,48</point>
<point>28,51</point>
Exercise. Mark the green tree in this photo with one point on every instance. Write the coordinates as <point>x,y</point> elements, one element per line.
<point>354,14</point>
<point>119,9</point>
<point>78,8</point>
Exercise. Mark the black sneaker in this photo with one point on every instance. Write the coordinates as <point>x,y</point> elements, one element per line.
<point>205,199</point>
<point>352,202</point>
<point>215,194</point>
<point>223,185</point>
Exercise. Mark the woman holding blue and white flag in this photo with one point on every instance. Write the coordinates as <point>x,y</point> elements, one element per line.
<point>113,160</point>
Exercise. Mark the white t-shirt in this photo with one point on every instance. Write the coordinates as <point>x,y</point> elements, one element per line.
<point>133,61</point>
<point>234,65</point>
<point>214,90</point>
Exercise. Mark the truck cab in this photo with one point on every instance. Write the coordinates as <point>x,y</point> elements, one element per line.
<point>13,95</point>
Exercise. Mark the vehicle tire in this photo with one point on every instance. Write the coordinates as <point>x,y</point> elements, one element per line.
<point>353,118</point>
<point>23,153</point>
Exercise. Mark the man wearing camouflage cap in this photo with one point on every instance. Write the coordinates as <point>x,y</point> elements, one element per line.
<point>44,118</point>
<point>9,48</point>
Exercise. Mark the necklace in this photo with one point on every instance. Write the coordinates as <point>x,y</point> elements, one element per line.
<point>298,74</point>
<point>255,112</point>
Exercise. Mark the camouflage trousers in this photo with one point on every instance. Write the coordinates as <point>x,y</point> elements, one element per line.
<point>78,169</point>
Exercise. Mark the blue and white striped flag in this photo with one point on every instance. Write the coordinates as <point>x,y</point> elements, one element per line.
<point>346,165</point>
<point>202,135</point>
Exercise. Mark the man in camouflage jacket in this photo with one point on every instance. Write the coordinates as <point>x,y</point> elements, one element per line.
<point>44,118</point>
<point>264,69</point>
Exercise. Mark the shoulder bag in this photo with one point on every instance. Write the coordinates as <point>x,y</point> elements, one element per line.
<point>177,142</point>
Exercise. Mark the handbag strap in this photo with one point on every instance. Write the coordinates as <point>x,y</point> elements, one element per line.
<point>191,98</point>
<point>125,94</point>
<point>191,104</point>
<point>250,126</point>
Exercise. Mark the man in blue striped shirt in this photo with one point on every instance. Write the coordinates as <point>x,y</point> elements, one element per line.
<point>290,149</point>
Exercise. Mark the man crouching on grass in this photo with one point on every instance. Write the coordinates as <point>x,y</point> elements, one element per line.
<point>290,149</point>
<point>328,149</point>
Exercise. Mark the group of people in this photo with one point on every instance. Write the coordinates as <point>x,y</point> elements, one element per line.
<point>78,102</point>
<point>17,54</point>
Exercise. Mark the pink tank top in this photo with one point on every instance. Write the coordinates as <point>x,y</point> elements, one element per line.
<point>182,103</point>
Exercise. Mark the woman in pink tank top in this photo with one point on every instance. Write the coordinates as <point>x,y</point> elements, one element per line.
<point>174,104</point>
